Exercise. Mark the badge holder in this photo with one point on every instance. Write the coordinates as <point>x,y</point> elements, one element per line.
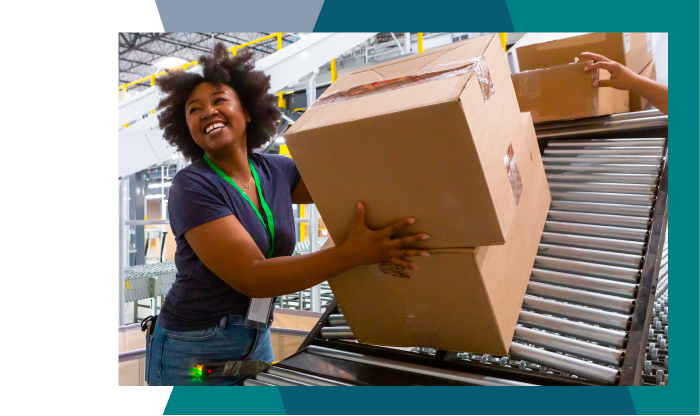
<point>259,312</point>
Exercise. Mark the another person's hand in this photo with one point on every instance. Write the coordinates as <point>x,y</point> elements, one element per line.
<point>365,246</point>
<point>621,77</point>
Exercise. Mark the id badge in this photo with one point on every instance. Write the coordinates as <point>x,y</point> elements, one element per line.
<point>259,311</point>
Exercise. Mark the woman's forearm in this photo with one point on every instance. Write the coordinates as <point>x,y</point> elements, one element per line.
<point>283,275</point>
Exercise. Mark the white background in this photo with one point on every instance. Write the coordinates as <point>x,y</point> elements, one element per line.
<point>60,207</point>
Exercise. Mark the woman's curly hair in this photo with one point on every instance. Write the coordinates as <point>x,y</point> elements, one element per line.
<point>219,68</point>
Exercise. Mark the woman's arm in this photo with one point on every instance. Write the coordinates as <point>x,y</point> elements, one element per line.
<point>227,249</point>
<point>622,78</point>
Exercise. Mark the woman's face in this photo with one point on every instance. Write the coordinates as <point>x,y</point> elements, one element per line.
<point>216,118</point>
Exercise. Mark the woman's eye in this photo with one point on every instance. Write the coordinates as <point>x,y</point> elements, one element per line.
<point>192,110</point>
<point>218,100</point>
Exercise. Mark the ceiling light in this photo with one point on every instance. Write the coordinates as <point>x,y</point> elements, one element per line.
<point>169,62</point>
<point>157,196</point>
<point>279,140</point>
<point>159,185</point>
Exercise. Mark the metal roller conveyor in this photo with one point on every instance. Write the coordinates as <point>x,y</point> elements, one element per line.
<point>608,168</point>
<point>304,378</point>
<point>592,284</point>
<point>601,208</point>
<point>473,379</point>
<point>596,307</point>
<point>278,381</point>
<point>633,188</point>
<point>580,313</point>
<point>585,254</point>
<point>604,231</point>
<point>571,346</point>
<point>609,337</point>
<point>600,219</point>
<point>581,297</point>
<point>337,332</point>
<point>601,373</point>
<point>592,150</point>
<point>599,160</point>
<point>573,240</point>
<point>614,198</point>
<point>606,143</point>
<point>622,274</point>
<point>337,320</point>
<point>646,179</point>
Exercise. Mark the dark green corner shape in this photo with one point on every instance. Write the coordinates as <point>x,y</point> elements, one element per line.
<point>225,401</point>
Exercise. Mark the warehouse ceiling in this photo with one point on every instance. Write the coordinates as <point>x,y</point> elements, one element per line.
<point>139,51</point>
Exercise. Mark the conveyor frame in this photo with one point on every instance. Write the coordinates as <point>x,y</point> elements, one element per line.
<point>631,374</point>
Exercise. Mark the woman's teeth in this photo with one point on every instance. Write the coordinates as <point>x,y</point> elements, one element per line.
<point>214,127</point>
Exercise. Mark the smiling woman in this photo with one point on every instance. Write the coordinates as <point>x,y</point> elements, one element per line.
<point>231,215</point>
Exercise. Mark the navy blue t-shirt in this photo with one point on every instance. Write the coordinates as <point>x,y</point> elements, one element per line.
<point>199,299</point>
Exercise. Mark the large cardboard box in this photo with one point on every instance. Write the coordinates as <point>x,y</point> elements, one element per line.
<point>425,137</point>
<point>637,103</point>
<point>566,92</point>
<point>630,49</point>
<point>464,299</point>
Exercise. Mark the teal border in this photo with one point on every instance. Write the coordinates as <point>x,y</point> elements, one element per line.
<point>681,20</point>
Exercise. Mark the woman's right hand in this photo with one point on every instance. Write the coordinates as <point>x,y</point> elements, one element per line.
<point>365,246</point>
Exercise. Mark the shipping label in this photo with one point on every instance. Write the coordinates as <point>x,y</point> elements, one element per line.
<point>648,42</point>
<point>516,182</point>
<point>628,44</point>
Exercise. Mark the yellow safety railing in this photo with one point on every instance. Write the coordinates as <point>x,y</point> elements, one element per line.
<point>334,71</point>
<point>504,39</point>
<point>420,42</point>
<point>186,65</point>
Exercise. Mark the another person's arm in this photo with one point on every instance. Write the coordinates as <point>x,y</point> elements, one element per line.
<point>622,78</point>
<point>227,249</point>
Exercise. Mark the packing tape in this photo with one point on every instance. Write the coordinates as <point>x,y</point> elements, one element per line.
<point>478,65</point>
<point>516,182</point>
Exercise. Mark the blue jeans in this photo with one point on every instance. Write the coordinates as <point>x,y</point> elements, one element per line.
<point>171,356</point>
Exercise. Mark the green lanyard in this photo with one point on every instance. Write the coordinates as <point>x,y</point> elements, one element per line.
<point>270,224</point>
